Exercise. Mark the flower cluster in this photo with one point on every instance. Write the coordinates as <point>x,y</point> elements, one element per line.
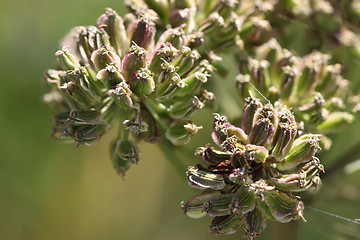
<point>254,175</point>
<point>313,88</point>
<point>125,70</point>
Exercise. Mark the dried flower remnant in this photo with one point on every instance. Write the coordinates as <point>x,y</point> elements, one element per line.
<point>122,71</point>
<point>255,174</point>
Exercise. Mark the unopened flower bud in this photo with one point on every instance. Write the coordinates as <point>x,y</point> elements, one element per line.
<point>283,140</point>
<point>165,52</point>
<point>123,96</point>
<point>193,82</point>
<point>110,76</point>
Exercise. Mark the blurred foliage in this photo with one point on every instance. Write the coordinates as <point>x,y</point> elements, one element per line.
<point>55,191</point>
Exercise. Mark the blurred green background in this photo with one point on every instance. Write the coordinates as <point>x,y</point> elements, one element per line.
<point>50,190</point>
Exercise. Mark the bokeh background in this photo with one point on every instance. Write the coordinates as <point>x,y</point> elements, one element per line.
<point>50,190</point>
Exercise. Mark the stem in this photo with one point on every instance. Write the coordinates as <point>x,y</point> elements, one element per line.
<point>155,110</point>
<point>348,157</point>
<point>168,149</point>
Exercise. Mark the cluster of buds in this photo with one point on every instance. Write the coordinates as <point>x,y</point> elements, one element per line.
<point>122,70</point>
<point>256,173</point>
<point>314,89</point>
<point>215,25</point>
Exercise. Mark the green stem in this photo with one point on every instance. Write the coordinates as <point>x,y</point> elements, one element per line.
<point>169,151</point>
<point>349,156</point>
<point>155,109</point>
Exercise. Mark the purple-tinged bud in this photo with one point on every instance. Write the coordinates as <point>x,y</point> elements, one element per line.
<point>113,24</point>
<point>143,33</point>
<point>103,57</point>
<point>66,60</point>
<point>254,222</point>
<point>124,153</point>
<point>314,103</point>
<point>219,205</point>
<point>283,207</point>
<point>194,207</point>
<point>180,134</point>
<point>110,76</point>
<point>142,82</point>
<point>283,140</point>
<point>261,132</point>
<point>185,61</point>
<point>80,118</point>
<point>335,122</point>
<point>203,179</point>
<point>259,74</point>
<point>243,85</point>
<point>123,96</point>
<point>251,106</point>
<point>135,59</point>
<point>212,156</point>
<point>256,153</point>
<point>226,224</point>
<point>181,110</point>
<point>90,134</point>
<point>231,130</point>
<point>303,150</point>
<point>267,111</point>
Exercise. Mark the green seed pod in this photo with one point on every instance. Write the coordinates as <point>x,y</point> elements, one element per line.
<point>170,88</point>
<point>238,159</point>
<point>259,74</point>
<point>110,76</point>
<point>288,82</point>
<point>90,134</point>
<point>123,96</point>
<point>256,153</point>
<point>113,24</point>
<point>226,224</point>
<point>219,205</point>
<point>203,179</point>
<point>194,208</point>
<point>308,79</point>
<point>212,156</point>
<point>80,118</point>
<point>175,36</point>
<point>165,52</point>
<point>254,222</point>
<point>335,122</point>
<point>66,60</point>
<point>180,134</point>
<point>181,110</point>
<point>192,83</point>
<point>142,82</point>
<point>186,60</point>
<point>124,153</point>
<point>283,140</point>
<point>283,207</point>
<point>103,57</point>
<point>244,201</point>
<point>303,150</point>
<point>238,132</point>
